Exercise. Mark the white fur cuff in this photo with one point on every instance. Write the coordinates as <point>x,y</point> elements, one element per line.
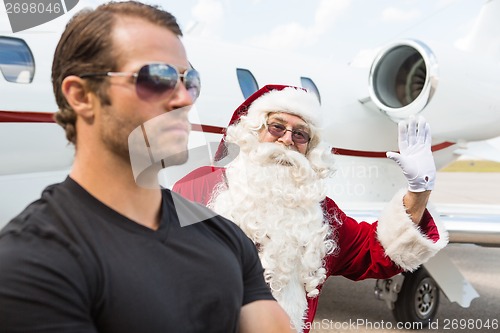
<point>402,239</point>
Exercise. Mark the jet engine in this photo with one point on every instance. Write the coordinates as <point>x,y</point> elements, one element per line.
<point>403,78</point>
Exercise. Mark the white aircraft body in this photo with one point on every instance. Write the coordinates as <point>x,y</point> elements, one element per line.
<point>456,90</point>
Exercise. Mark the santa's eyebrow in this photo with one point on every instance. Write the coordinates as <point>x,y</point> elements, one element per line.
<point>283,121</point>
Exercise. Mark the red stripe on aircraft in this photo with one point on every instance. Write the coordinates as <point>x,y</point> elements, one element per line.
<point>381,154</point>
<point>47,117</point>
<point>26,117</point>
<point>442,145</point>
<point>358,153</point>
<point>208,129</point>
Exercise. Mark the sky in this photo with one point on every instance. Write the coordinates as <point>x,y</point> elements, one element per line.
<point>338,29</point>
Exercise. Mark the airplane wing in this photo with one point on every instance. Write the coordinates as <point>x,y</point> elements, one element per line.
<point>484,150</point>
<point>471,223</point>
<point>466,223</point>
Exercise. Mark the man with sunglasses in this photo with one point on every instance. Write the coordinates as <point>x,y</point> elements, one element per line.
<point>98,252</point>
<point>275,191</point>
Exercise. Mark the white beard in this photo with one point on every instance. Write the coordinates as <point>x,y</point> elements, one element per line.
<point>273,195</point>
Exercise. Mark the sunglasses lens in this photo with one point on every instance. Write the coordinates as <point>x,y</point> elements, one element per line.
<point>192,83</point>
<point>156,79</point>
<point>278,130</point>
<point>300,137</point>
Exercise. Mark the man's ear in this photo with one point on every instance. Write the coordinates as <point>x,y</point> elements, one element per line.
<point>79,97</point>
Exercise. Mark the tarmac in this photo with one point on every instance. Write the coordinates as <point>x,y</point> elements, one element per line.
<point>467,188</point>
<point>347,306</point>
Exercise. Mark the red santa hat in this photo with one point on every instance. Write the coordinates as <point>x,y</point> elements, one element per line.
<point>281,98</point>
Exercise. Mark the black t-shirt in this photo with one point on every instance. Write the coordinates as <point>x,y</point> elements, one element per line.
<point>69,263</point>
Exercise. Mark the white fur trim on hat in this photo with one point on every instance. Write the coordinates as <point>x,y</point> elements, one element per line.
<point>402,239</point>
<point>291,100</point>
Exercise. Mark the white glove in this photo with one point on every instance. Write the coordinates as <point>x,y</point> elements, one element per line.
<point>415,155</point>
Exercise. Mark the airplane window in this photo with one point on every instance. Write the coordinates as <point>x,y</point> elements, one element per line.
<point>248,83</point>
<point>16,61</point>
<point>311,86</point>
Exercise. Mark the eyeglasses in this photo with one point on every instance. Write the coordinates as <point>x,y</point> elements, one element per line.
<point>298,136</point>
<point>156,79</point>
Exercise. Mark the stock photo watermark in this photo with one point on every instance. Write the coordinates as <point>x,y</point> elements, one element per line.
<point>358,175</point>
<point>26,14</point>
<point>453,325</point>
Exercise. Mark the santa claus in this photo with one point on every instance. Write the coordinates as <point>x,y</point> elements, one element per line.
<point>275,191</point>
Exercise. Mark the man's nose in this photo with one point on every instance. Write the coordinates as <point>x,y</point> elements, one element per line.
<point>181,97</point>
<point>287,138</point>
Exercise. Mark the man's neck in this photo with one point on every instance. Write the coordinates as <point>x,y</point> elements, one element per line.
<point>111,181</point>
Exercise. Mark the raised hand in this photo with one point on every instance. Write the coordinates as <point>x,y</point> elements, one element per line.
<point>415,155</point>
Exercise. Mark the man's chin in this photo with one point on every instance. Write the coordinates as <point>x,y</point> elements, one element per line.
<point>176,159</point>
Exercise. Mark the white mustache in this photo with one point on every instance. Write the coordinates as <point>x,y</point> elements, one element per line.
<point>277,154</point>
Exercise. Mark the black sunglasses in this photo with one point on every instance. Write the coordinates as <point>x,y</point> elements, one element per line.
<point>156,79</point>
<point>298,136</point>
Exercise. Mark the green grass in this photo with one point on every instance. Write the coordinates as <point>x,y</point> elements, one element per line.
<point>472,166</point>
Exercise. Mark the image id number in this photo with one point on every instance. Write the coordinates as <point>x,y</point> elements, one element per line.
<point>33,8</point>
<point>470,324</point>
